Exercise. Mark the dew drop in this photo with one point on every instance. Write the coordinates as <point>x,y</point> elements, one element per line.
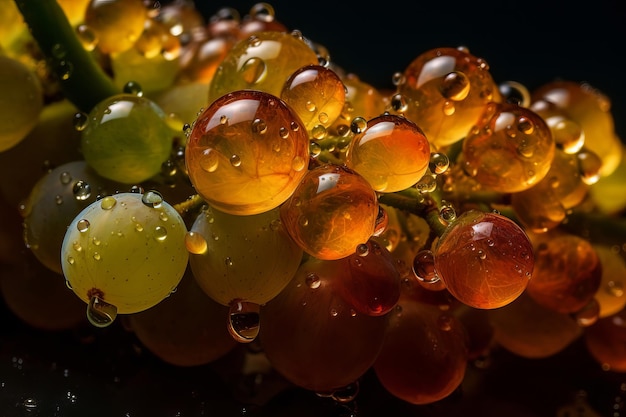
<point>99,312</point>
<point>259,126</point>
<point>87,37</point>
<point>30,404</point>
<point>424,266</point>
<point>195,243</point>
<point>65,177</point>
<point>160,233</point>
<point>209,160</point>
<point>455,86</point>
<point>82,225</point>
<point>133,88</point>
<point>439,163</point>
<point>235,160</point>
<point>253,70</point>
<point>152,199</point>
<point>313,280</point>
<point>108,202</point>
<point>81,190</point>
<point>358,125</point>
<point>243,321</point>
<point>298,163</point>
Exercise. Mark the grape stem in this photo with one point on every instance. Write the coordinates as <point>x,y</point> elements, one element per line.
<point>81,78</point>
<point>410,201</point>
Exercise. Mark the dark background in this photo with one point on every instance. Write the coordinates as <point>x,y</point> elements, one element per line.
<point>531,42</point>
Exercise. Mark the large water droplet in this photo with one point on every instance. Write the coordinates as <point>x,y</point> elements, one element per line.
<point>243,321</point>
<point>100,313</point>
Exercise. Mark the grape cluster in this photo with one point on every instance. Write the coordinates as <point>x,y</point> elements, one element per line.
<point>226,183</point>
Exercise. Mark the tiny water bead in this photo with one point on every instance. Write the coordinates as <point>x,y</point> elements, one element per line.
<point>105,254</point>
<point>485,260</point>
<point>243,321</point>
<point>446,90</point>
<point>392,153</point>
<point>238,158</point>
<point>331,212</point>
<point>509,149</point>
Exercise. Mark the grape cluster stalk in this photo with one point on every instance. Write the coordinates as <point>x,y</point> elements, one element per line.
<point>218,185</point>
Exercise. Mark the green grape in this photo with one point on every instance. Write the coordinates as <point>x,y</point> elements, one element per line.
<point>54,202</point>
<point>126,139</point>
<point>124,254</point>
<point>21,101</point>
<point>241,258</point>
<point>153,74</point>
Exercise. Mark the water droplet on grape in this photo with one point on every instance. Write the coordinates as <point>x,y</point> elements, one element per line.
<point>152,199</point>
<point>195,243</point>
<point>160,233</point>
<point>100,313</point>
<point>81,190</point>
<point>313,280</point>
<point>243,322</point>
<point>82,225</point>
<point>107,203</point>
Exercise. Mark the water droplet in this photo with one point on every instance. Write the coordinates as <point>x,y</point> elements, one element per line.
<point>99,312</point>
<point>253,70</point>
<point>81,190</point>
<point>455,86</point>
<point>424,266</point>
<point>243,322</point>
<point>298,163</point>
<point>30,404</point>
<point>195,243</point>
<point>87,37</point>
<point>160,233</point>
<point>152,199</point>
<point>235,160</point>
<point>209,160</point>
<point>108,202</point>
<point>259,126</point>
<point>82,225</point>
<point>439,163</point>
<point>358,125</point>
<point>313,280</point>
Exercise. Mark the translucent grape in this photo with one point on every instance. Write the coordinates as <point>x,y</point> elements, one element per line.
<point>247,152</point>
<point>567,273</point>
<point>509,149</point>
<point>262,62</point>
<point>317,95</point>
<point>21,102</point>
<point>484,259</point>
<point>313,337</point>
<point>125,252</point>
<point>606,341</point>
<point>446,90</point>
<point>424,355</point>
<point>331,212</point>
<point>126,139</point>
<point>241,258</point>
<point>116,23</point>
<point>531,330</point>
<point>392,153</point>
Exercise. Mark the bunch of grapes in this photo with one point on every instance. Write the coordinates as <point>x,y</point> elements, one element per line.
<point>222,182</point>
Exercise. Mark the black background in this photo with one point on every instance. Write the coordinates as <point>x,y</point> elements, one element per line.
<point>531,42</point>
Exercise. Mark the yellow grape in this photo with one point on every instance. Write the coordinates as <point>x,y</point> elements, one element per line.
<point>124,254</point>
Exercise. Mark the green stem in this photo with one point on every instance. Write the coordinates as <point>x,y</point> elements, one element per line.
<point>82,80</point>
<point>408,201</point>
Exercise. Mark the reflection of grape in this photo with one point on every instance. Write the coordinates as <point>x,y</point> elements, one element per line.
<point>126,139</point>
<point>125,250</point>
<point>485,259</point>
<point>21,101</point>
<point>241,258</point>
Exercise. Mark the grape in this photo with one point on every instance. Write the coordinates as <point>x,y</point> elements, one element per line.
<point>126,139</point>
<point>445,90</point>
<point>590,109</point>
<point>510,148</point>
<point>153,74</point>
<point>424,355</point>
<point>371,282</point>
<point>567,274</point>
<point>332,210</point>
<point>186,329</point>
<point>38,296</point>
<point>608,193</point>
<point>611,294</point>
<point>117,24</point>
<point>247,152</point>
<point>484,259</point>
<point>124,253</point>
<point>241,258</point>
<point>262,62</point>
<point>317,95</point>
<point>531,330</point>
<point>313,337</point>
<point>606,341</point>
<point>54,202</point>
<point>21,102</point>
<point>392,153</point>
<point>53,141</point>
